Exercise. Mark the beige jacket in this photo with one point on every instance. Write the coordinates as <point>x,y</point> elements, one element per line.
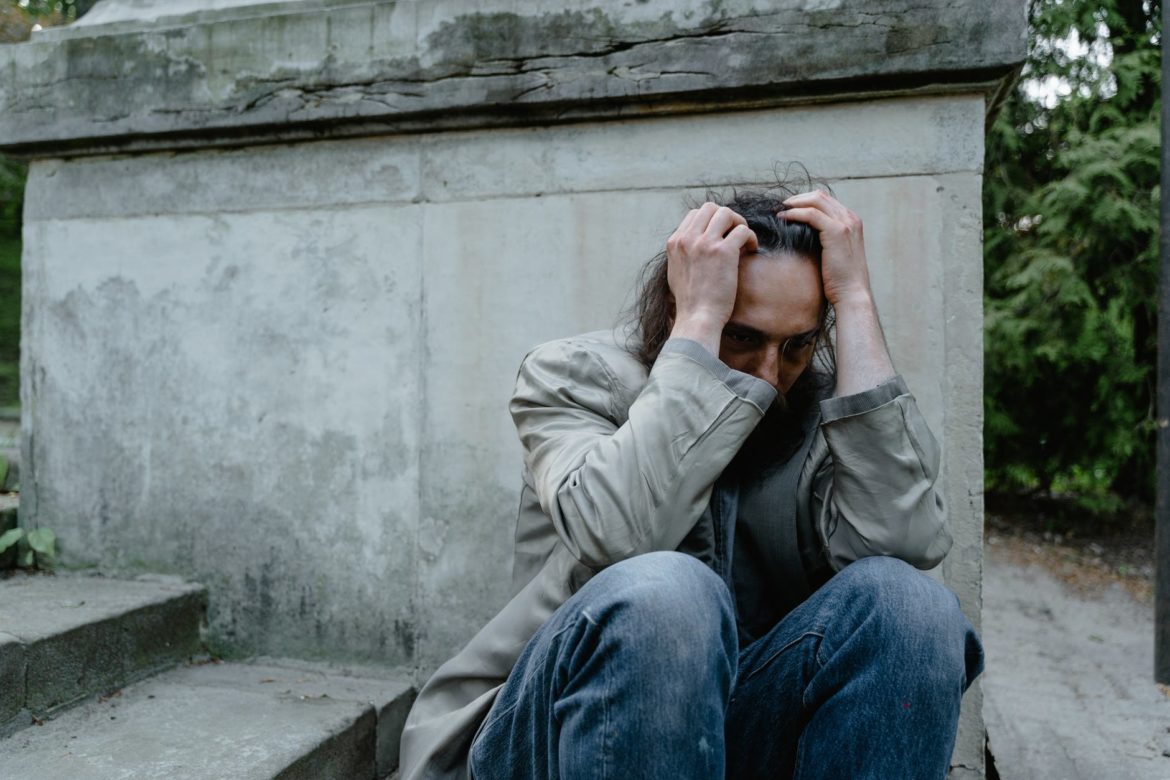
<point>619,461</point>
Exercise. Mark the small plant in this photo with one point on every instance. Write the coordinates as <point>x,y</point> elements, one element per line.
<point>35,549</point>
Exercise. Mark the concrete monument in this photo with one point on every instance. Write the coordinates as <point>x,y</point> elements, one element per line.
<point>282,260</point>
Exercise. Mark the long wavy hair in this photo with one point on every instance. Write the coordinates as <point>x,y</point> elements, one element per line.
<point>650,315</point>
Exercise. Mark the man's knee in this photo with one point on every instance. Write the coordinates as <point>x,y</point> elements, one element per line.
<point>665,594</point>
<point>912,610</point>
<point>895,586</point>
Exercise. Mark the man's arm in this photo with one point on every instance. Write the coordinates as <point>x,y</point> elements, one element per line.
<point>863,361</point>
<point>703,272</point>
<point>874,467</point>
<point>613,491</point>
<point>872,480</point>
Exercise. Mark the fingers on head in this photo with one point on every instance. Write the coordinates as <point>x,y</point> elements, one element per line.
<point>687,221</point>
<point>722,221</point>
<point>743,237</point>
<point>823,201</point>
<point>692,222</point>
<point>815,218</point>
<point>710,219</point>
<point>699,218</point>
<point>813,198</point>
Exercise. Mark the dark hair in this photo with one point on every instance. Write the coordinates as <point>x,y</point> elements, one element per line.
<point>650,313</point>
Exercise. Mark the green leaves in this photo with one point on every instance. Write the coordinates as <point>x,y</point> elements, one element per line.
<point>12,178</point>
<point>34,549</point>
<point>1071,225</point>
<point>9,538</point>
<point>43,541</point>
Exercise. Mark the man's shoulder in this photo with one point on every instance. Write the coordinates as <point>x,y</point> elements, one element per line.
<point>600,357</point>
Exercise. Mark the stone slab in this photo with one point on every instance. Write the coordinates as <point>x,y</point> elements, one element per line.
<point>300,70</point>
<point>81,635</point>
<point>960,395</point>
<point>1069,687</point>
<point>257,375</point>
<point>897,137</point>
<point>902,137</point>
<point>343,174</point>
<point>390,697</point>
<point>245,721</point>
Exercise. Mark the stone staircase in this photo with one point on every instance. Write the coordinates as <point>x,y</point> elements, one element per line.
<point>105,679</point>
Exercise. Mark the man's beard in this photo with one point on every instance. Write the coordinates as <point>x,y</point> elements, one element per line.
<point>774,439</point>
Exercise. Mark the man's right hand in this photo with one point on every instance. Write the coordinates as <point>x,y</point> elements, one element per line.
<point>702,268</point>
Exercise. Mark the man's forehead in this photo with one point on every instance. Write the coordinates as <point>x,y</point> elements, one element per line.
<point>737,326</point>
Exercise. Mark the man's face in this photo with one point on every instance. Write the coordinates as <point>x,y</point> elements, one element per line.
<point>775,322</point>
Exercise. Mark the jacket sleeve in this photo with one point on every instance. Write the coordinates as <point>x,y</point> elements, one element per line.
<point>875,489</point>
<point>616,490</point>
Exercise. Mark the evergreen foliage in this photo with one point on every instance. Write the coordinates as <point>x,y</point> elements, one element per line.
<point>17,20</point>
<point>1071,223</point>
<point>14,26</point>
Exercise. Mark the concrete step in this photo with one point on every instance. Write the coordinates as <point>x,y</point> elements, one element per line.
<point>252,721</point>
<point>66,637</point>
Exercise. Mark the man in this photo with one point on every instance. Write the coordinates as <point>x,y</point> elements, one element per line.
<point>715,528</point>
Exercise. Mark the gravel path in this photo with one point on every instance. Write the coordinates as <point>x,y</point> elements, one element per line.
<point>1069,690</point>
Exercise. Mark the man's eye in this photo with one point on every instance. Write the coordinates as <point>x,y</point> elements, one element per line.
<point>796,345</point>
<point>740,338</point>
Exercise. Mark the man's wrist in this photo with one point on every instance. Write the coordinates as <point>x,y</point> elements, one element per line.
<point>701,328</point>
<point>746,386</point>
<point>860,300</point>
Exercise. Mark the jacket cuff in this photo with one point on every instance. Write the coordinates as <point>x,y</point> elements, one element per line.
<point>865,401</point>
<point>746,386</point>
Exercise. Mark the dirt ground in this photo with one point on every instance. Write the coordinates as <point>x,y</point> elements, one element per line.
<point>1085,560</point>
<point>1068,630</point>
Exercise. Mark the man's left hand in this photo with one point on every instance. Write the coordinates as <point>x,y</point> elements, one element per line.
<point>844,270</point>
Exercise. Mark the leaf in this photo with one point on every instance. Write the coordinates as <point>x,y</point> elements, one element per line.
<point>9,538</point>
<point>26,559</point>
<point>43,541</point>
<point>3,470</point>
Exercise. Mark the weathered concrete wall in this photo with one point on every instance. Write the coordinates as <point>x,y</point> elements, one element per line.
<point>284,370</point>
<point>166,73</point>
<point>282,367</point>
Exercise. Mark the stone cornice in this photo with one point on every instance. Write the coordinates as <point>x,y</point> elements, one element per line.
<point>324,68</point>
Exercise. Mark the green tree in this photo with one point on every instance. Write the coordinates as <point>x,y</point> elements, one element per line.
<point>1071,225</point>
<point>45,12</point>
<point>17,22</point>
<point>11,200</point>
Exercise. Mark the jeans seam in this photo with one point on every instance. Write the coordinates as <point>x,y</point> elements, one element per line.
<point>490,720</point>
<point>817,633</point>
<point>798,761</point>
<point>492,716</point>
<point>606,747</point>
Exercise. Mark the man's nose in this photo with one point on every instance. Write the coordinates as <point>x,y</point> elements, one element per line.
<point>769,368</point>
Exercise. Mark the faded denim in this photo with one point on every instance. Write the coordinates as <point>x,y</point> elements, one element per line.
<point>638,675</point>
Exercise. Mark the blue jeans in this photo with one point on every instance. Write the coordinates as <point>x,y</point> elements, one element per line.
<point>639,675</point>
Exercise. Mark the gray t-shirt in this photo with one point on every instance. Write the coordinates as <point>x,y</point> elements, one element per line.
<point>770,576</point>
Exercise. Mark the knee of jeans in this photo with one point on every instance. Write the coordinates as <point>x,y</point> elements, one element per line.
<point>911,608</point>
<point>671,590</point>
